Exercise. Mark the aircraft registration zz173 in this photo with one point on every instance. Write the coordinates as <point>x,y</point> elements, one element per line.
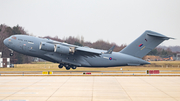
<point>72,56</point>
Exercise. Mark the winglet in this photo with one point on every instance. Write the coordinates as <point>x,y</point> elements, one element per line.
<point>110,50</point>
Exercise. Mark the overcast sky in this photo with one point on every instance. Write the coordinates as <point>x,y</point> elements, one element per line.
<point>118,21</point>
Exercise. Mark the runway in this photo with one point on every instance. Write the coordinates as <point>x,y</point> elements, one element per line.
<point>90,73</point>
<point>89,88</point>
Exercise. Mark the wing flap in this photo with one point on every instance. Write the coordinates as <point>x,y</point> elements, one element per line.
<point>89,50</point>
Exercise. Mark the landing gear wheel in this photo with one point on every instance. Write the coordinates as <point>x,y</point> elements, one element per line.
<point>73,67</point>
<point>67,67</point>
<point>11,54</point>
<point>60,66</point>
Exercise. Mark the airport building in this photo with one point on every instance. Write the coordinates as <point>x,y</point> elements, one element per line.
<point>4,62</point>
<point>178,56</point>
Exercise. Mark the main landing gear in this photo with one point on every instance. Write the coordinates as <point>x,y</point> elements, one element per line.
<point>68,67</point>
<point>60,66</point>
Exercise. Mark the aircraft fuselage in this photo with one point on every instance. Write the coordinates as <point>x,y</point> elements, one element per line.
<point>30,45</point>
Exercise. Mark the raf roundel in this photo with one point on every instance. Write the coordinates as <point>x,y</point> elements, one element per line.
<point>140,45</point>
<point>110,58</point>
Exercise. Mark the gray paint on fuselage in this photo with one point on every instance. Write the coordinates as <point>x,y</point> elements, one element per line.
<point>117,59</point>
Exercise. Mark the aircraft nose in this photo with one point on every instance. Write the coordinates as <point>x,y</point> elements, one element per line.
<point>5,41</point>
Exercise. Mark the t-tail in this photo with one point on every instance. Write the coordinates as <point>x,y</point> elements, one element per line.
<point>144,44</point>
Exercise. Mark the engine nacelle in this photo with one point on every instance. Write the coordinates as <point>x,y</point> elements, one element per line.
<point>46,46</point>
<point>63,49</point>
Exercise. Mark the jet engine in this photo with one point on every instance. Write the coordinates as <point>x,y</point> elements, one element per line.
<point>46,46</point>
<point>63,49</point>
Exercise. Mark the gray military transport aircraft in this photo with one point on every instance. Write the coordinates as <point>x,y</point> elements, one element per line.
<point>72,56</point>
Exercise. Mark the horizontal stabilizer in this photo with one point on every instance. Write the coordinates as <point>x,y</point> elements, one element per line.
<point>151,33</point>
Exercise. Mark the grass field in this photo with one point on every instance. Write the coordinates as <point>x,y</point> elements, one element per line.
<point>48,66</point>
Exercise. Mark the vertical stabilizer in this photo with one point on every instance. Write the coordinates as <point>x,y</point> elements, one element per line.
<point>144,44</point>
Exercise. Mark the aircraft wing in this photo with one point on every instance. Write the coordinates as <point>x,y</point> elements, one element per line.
<point>62,43</point>
<point>84,51</point>
<point>87,52</point>
<point>78,50</point>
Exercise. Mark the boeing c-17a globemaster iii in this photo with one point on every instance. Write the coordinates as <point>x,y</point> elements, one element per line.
<point>72,56</point>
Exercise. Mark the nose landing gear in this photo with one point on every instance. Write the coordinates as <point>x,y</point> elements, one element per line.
<point>11,52</point>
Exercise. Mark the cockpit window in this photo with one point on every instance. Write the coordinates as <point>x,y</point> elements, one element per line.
<point>13,37</point>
